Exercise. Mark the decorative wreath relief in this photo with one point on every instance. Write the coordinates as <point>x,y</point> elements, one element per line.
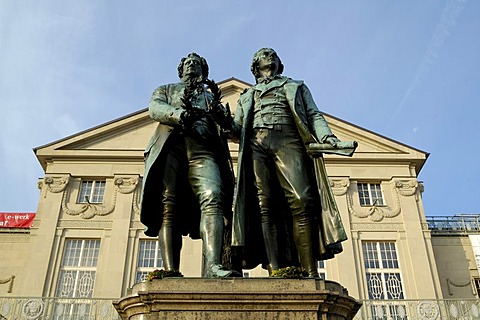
<point>376,213</point>
<point>122,185</point>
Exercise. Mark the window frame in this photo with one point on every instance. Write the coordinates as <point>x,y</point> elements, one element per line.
<point>142,271</point>
<point>372,201</point>
<point>78,267</point>
<point>97,190</point>
<point>384,264</point>
<point>476,286</point>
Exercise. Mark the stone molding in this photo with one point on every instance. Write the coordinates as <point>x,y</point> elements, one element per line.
<point>136,198</point>
<point>137,225</point>
<point>406,187</point>
<point>409,187</point>
<point>53,183</point>
<point>377,226</point>
<point>15,237</point>
<point>8,280</point>
<point>84,224</point>
<point>339,186</point>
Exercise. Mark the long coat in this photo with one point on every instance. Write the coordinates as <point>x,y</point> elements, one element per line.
<point>166,108</point>
<point>313,129</point>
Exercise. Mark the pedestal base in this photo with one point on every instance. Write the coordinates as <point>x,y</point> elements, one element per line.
<point>237,299</point>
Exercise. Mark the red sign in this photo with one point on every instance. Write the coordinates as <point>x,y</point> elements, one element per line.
<point>16,219</point>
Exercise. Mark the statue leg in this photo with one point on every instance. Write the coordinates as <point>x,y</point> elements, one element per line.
<point>262,175</point>
<point>291,169</point>
<point>170,246</point>
<point>211,231</point>
<point>303,237</point>
<point>170,239</point>
<point>206,182</point>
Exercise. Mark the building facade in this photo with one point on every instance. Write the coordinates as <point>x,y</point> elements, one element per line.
<point>87,242</point>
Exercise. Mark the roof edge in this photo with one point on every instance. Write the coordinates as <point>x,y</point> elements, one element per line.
<point>89,129</point>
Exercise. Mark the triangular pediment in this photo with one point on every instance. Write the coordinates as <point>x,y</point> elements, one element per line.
<point>126,138</point>
<point>368,142</point>
<point>131,135</point>
<point>374,148</point>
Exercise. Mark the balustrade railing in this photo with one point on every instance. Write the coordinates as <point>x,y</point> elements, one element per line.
<point>419,310</point>
<point>57,308</point>
<point>458,224</point>
<point>83,309</point>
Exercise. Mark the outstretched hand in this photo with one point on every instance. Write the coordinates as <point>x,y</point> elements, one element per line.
<point>222,115</point>
<point>332,141</point>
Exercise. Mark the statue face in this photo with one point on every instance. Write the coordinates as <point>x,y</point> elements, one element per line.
<point>268,63</point>
<point>192,67</point>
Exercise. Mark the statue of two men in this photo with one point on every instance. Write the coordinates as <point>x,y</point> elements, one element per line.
<point>283,198</point>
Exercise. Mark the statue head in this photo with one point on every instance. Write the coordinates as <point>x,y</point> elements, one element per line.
<point>193,66</point>
<point>263,56</point>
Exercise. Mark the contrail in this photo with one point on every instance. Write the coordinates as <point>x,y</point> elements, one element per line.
<point>452,10</point>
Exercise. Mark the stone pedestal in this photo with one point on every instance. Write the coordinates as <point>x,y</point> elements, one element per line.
<point>237,299</point>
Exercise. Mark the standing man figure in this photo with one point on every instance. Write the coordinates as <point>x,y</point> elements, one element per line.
<point>275,120</point>
<point>188,181</point>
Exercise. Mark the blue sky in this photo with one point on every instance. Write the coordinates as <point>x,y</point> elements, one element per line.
<point>409,70</point>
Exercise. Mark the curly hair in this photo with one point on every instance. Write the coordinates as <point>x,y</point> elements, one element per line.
<point>255,62</point>
<point>203,63</point>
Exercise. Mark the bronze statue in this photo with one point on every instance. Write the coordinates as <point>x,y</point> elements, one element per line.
<point>276,120</point>
<point>188,180</point>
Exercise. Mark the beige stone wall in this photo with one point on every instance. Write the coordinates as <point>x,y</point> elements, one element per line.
<point>13,254</point>
<point>456,266</point>
<point>400,221</point>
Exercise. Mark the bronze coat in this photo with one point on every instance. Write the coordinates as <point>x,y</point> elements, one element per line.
<point>166,107</point>
<point>313,129</point>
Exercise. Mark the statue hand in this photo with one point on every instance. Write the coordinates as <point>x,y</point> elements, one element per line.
<point>332,140</point>
<point>222,115</point>
<point>188,117</point>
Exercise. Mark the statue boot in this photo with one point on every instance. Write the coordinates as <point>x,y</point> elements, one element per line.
<point>170,242</point>
<point>302,232</point>
<point>211,230</point>
<point>270,240</point>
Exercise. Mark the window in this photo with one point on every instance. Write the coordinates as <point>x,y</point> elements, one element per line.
<point>476,283</point>
<point>79,263</point>
<point>91,192</point>
<point>77,277</point>
<point>321,269</point>
<point>370,194</point>
<point>246,273</point>
<point>149,259</point>
<point>384,281</point>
